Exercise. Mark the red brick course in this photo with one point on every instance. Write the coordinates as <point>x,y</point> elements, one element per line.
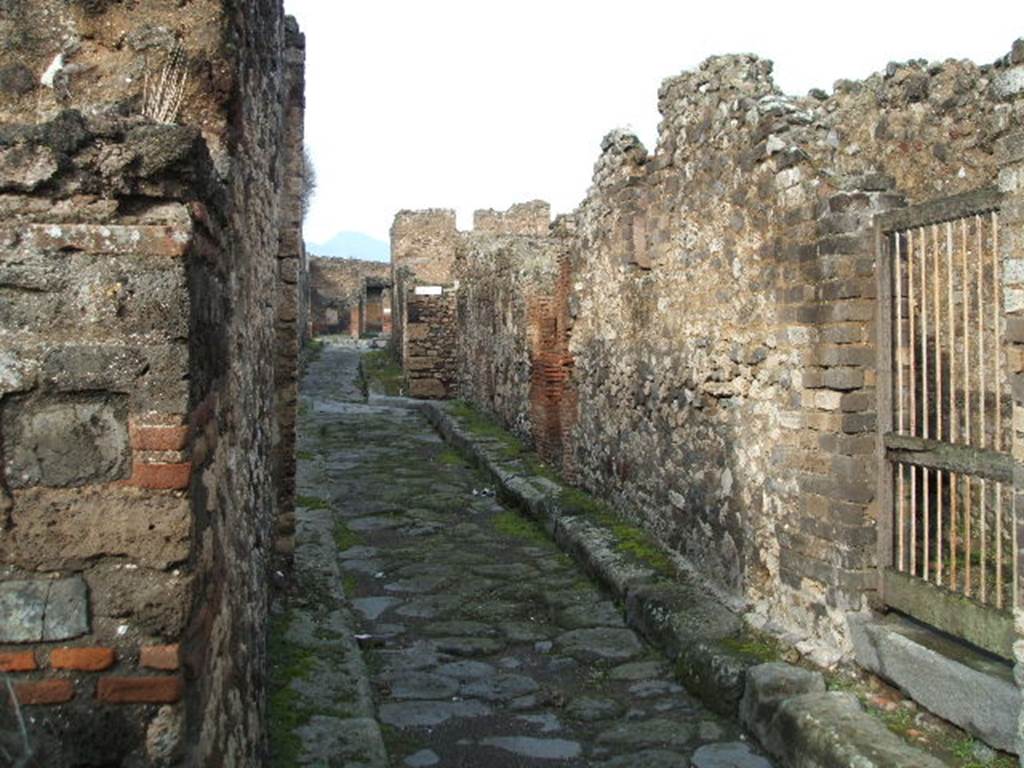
<point>165,477</point>
<point>83,659</point>
<point>18,662</point>
<point>45,692</point>
<point>158,438</point>
<point>140,690</point>
<point>166,657</point>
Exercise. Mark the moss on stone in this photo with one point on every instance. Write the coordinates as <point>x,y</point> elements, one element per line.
<point>513,524</point>
<point>382,372</point>
<point>753,645</point>
<point>345,537</point>
<point>284,711</point>
<point>450,457</point>
<point>310,502</point>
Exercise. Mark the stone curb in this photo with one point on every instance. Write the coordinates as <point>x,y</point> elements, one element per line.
<point>784,706</point>
<point>358,737</point>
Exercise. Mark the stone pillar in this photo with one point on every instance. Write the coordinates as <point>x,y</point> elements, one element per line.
<point>1011,243</point>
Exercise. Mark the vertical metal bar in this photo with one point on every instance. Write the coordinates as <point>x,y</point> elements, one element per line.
<point>913,400</point>
<point>884,319</point>
<point>983,576</point>
<point>899,396</point>
<point>954,427</point>
<point>938,399</point>
<point>925,416</point>
<point>965,301</point>
<point>997,437</point>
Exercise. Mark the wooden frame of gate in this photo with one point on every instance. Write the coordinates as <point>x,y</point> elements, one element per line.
<point>947,547</point>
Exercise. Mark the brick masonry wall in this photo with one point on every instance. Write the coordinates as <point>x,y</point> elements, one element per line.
<point>139,406</point>
<point>718,314</point>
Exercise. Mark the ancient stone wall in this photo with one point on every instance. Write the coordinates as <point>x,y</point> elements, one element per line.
<point>512,318</point>
<point>423,247</point>
<point>290,318</point>
<point>140,285</point>
<point>717,313</point>
<point>338,289</point>
<point>431,343</point>
<point>532,218</point>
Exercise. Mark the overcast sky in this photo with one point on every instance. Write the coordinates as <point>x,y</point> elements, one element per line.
<point>465,105</point>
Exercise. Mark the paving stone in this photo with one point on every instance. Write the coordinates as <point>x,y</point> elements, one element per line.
<point>600,644</point>
<point>422,759</point>
<point>467,670</point>
<point>649,758</point>
<point>734,754</point>
<point>590,709</point>
<point>542,749</point>
<point>410,714</point>
<point>333,741</point>
<point>647,688</point>
<point>499,688</point>
<point>657,731</point>
<point>465,628</point>
<point>422,685</point>
<point>639,670</point>
<point>417,584</point>
<point>469,646</point>
<point>604,614</point>
<point>374,607</point>
<point>548,722</point>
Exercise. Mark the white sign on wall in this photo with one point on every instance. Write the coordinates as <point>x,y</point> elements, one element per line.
<point>429,290</point>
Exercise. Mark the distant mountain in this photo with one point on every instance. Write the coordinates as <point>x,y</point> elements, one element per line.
<point>352,245</point>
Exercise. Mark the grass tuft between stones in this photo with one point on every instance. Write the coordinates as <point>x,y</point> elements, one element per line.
<point>380,368</point>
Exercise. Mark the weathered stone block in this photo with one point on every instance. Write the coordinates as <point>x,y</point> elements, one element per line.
<point>58,442</point>
<point>43,610</point>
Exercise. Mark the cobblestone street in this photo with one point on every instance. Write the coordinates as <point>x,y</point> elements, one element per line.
<point>484,645</point>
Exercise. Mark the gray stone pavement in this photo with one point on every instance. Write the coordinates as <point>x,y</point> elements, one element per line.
<point>482,644</point>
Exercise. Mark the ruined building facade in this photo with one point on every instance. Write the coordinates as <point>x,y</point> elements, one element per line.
<point>151,314</point>
<point>349,296</point>
<point>709,340</point>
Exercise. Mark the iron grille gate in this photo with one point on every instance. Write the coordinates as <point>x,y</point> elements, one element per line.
<point>947,541</point>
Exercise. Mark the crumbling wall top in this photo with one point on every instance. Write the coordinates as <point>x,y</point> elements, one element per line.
<point>530,218</point>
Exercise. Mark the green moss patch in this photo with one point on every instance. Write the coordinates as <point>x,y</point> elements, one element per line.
<point>310,502</point>
<point>513,524</point>
<point>630,539</point>
<point>382,372</point>
<point>345,537</point>
<point>754,645</point>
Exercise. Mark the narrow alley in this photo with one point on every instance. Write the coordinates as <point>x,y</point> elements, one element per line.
<point>481,643</point>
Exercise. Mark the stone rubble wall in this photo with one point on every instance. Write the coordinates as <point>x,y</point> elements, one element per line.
<point>423,252</point>
<point>714,319</point>
<point>147,333</point>
<point>290,321</point>
<point>532,218</point>
<point>337,290</point>
<point>431,343</point>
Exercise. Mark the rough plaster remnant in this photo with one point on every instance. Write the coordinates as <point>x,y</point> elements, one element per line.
<point>43,610</point>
